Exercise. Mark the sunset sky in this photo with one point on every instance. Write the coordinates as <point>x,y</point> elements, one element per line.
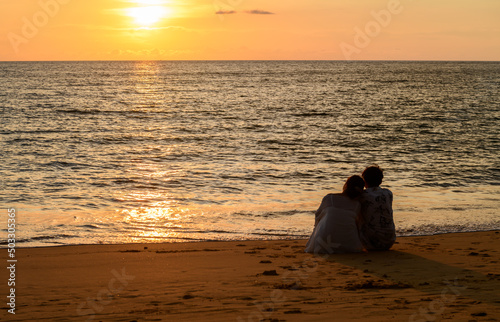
<point>249,29</point>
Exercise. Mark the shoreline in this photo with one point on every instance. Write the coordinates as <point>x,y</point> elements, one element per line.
<point>4,246</point>
<point>447,276</point>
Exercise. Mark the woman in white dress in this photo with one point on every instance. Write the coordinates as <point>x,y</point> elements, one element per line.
<point>335,227</point>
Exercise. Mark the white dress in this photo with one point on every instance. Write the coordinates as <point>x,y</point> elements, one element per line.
<point>336,230</point>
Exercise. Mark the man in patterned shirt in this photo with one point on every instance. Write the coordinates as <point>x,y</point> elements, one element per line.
<point>376,225</point>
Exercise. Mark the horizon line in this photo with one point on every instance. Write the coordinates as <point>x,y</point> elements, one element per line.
<point>251,60</point>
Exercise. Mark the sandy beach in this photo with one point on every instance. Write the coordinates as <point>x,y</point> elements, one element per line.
<point>431,278</point>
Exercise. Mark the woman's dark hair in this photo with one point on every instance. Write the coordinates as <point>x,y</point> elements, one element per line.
<point>373,176</point>
<point>353,187</point>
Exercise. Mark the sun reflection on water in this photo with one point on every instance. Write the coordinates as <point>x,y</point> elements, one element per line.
<point>160,215</point>
<point>163,223</point>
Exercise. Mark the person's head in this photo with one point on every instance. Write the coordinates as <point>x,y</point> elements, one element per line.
<point>373,176</point>
<point>353,187</point>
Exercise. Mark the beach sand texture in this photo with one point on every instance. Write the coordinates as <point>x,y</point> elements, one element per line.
<point>452,277</point>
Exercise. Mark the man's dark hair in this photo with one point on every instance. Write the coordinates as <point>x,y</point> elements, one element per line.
<point>373,176</point>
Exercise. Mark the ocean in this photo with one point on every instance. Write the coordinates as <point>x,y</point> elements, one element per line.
<point>175,151</point>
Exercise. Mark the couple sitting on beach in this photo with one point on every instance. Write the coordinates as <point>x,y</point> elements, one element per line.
<point>355,219</point>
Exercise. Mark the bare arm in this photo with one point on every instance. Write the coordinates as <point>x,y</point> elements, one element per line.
<point>359,218</point>
<point>326,202</point>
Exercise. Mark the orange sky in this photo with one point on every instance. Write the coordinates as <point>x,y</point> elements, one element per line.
<point>249,29</point>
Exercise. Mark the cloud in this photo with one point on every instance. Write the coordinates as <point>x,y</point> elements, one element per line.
<point>225,12</point>
<point>252,12</point>
<point>259,12</point>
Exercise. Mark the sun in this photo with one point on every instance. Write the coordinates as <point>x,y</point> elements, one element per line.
<point>148,15</point>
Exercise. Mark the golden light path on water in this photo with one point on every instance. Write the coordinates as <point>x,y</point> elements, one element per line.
<point>156,224</point>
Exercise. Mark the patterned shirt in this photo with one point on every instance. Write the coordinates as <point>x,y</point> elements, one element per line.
<point>377,230</point>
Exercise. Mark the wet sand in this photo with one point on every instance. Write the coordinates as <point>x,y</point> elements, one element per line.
<point>452,277</point>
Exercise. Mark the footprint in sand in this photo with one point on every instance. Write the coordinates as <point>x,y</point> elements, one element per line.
<point>270,273</point>
<point>295,311</point>
<point>246,298</point>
